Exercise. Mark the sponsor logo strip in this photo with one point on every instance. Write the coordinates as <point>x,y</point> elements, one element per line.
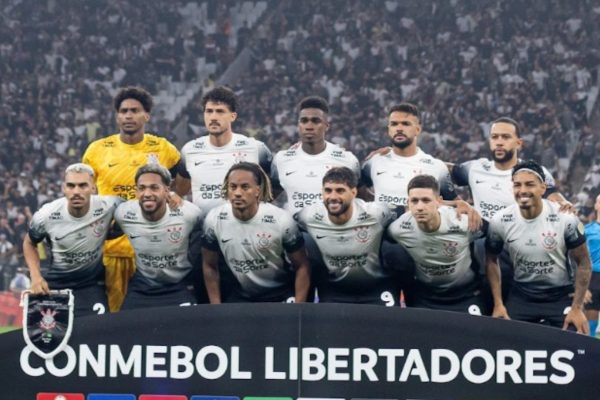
<point>60,396</point>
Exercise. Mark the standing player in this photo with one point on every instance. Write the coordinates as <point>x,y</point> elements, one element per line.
<point>348,233</point>
<point>207,159</point>
<point>490,180</point>
<point>592,232</point>
<point>115,159</point>
<point>299,170</point>
<point>161,239</point>
<point>253,236</point>
<point>440,244</point>
<point>539,240</point>
<point>75,227</point>
<point>387,175</point>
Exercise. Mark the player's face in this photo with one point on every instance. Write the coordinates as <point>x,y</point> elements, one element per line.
<point>242,191</point>
<point>218,118</point>
<point>131,117</point>
<point>78,188</point>
<point>337,197</point>
<point>151,193</point>
<point>312,125</point>
<point>423,204</point>
<point>528,189</point>
<point>504,142</point>
<point>403,128</point>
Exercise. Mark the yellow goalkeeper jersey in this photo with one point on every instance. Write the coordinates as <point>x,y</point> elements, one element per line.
<point>115,164</point>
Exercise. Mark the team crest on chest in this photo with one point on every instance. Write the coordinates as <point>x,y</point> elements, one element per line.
<point>152,158</point>
<point>175,233</point>
<point>97,228</point>
<point>239,156</point>
<point>362,234</point>
<point>264,240</point>
<point>450,249</point>
<point>549,240</point>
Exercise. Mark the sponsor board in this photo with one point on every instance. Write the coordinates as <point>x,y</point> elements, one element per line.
<point>306,350</point>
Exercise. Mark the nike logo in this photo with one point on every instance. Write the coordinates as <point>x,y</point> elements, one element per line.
<point>60,238</point>
<point>511,240</point>
<point>409,247</point>
<point>225,240</point>
<point>110,165</point>
<point>289,173</point>
<point>134,237</point>
<point>320,237</point>
<point>476,181</point>
<point>382,172</point>
<point>199,162</point>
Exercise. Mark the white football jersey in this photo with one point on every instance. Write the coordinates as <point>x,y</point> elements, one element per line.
<point>254,249</point>
<point>491,187</point>
<point>76,243</point>
<point>350,251</point>
<point>161,247</point>
<point>537,247</point>
<point>207,165</point>
<point>443,259</point>
<point>301,174</point>
<point>389,175</point>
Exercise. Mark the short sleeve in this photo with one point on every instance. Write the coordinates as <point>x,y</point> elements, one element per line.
<point>494,241</point>
<point>291,236</point>
<point>574,231</point>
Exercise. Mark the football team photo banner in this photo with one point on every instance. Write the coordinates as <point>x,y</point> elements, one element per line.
<point>306,351</point>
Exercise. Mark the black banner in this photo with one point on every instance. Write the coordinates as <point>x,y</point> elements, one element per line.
<point>308,350</point>
<point>47,321</point>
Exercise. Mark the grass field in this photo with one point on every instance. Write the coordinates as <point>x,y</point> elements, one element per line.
<point>4,329</point>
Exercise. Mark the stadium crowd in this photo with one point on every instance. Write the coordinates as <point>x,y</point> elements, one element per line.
<point>465,63</point>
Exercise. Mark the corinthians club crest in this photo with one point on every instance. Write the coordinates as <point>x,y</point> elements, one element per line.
<point>450,249</point>
<point>47,321</point>
<point>362,234</point>
<point>264,240</point>
<point>175,233</point>
<point>549,240</point>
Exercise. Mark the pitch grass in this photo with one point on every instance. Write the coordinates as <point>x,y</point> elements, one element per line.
<point>4,329</point>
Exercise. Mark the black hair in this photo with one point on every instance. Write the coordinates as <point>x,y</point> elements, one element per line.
<point>314,102</point>
<point>260,177</point>
<point>532,165</point>
<point>135,93</point>
<point>508,120</point>
<point>408,108</point>
<point>154,168</point>
<point>342,175</point>
<point>221,94</point>
<point>424,182</point>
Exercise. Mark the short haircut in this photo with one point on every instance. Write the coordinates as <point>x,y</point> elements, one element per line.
<point>530,166</point>
<point>508,120</point>
<point>408,108</point>
<point>221,94</point>
<point>424,182</point>
<point>260,177</point>
<point>154,168</point>
<point>79,168</point>
<point>314,102</point>
<point>135,93</point>
<point>342,175</point>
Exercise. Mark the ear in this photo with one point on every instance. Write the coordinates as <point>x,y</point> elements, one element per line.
<point>146,116</point>
<point>233,116</point>
<point>354,192</point>
<point>519,144</point>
